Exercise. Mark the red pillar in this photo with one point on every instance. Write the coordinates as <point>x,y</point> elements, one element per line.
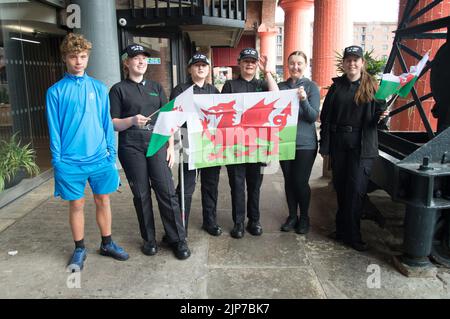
<point>332,32</point>
<point>297,27</point>
<point>410,120</point>
<point>267,38</point>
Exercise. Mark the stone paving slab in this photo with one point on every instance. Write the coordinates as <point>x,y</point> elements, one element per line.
<point>274,265</point>
<point>5,223</point>
<point>267,250</point>
<point>267,283</point>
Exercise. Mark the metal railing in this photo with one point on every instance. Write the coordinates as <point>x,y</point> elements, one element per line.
<point>227,9</point>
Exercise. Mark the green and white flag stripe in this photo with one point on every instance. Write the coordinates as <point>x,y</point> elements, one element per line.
<point>390,84</point>
<point>171,117</point>
<point>401,85</point>
<point>415,71</point>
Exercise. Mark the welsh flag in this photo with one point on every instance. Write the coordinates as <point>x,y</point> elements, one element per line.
<point>171,117</point>
<point>402,84</point>
<point>242,128</point>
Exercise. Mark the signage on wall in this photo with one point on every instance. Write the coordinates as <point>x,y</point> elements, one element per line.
<point>154,60</point>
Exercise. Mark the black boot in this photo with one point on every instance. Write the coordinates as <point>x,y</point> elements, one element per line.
<point>289,224</point>
<point>303,225</point>
<point>238,230</point>
<point>149,248</point>
<point>254,228</point>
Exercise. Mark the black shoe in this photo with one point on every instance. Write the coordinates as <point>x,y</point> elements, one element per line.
<point>181,250</point>
<point>149,248</point>
<point>254,228</point>
<point>237,231</point>
<point>213,230</point>
<point>289,224</point>
<point>359,246</point>
<point>302,226</point>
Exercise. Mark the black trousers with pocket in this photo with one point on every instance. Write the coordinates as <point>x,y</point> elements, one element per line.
<point>239,175</point>
<point>350,179</point>
<point>210,189</point>
<point>296,174</point>
<point>146,173</point>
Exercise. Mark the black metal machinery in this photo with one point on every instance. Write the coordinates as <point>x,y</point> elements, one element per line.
<point>414,167</point>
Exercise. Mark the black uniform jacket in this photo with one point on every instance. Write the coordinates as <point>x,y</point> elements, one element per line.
<point>369,134</point>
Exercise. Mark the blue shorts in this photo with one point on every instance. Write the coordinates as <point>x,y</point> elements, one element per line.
<point>70,180</point>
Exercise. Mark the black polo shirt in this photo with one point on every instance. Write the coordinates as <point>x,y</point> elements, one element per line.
<point>205,89</point>
<point>243,86</point>
<point>129,98</point>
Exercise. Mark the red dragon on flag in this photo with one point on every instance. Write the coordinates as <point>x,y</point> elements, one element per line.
<point>259,122</point>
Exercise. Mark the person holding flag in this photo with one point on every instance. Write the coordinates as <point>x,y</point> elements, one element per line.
<point>199,70</point>
<point>248,173</point>
<point>135,103</point>
<point>348,134</point>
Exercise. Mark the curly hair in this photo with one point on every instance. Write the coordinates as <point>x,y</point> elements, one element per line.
<point>74,43</point>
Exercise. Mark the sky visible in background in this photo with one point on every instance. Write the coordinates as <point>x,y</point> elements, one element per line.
<point>374,10</point>
<point>363,11</point>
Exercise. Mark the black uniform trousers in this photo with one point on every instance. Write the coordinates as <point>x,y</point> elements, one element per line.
<point>238,175</point>
<point>209,190</point>
<point>296,174</point>
<point>139,169</point>
<point>350,179</point>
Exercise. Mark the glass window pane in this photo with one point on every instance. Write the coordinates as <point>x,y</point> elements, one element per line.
<point>29,64</point>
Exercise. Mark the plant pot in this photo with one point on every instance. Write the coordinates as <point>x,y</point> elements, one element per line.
<point>16,179</point>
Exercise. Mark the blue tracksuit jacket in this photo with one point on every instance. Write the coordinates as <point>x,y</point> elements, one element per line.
<point>79,121</point>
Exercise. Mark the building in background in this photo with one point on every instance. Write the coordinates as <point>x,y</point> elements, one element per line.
<point>31,32</point>
<point>376,36</point>
<point>279,44</point>
<point>259,32</point>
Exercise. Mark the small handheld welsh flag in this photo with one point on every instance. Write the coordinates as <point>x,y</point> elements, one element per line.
<point>402,84</point>
<point>171,117</point>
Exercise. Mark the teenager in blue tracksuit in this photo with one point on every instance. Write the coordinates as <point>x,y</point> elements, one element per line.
<point>83,147</point>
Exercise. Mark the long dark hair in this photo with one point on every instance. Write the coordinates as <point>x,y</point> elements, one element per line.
<point>367,88</point>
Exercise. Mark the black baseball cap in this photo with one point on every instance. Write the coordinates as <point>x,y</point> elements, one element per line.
<point>248,53</point>
<point>132,50</point>
<point>353,50</point>
<point>198,57</point>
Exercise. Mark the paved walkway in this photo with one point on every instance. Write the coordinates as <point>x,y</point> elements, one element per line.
<point>275,265</point>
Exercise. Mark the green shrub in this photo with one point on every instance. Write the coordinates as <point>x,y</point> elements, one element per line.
<point>375,67</point>
<point>13,157</point>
